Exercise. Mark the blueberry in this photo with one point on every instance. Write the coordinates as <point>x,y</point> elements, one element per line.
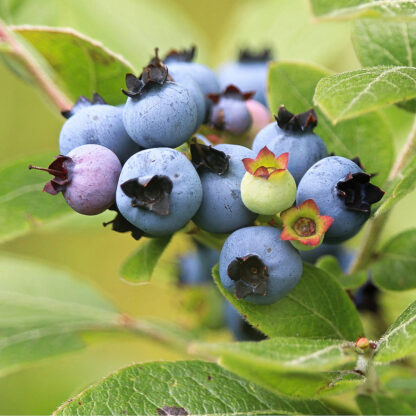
<point>229,111</point>
<point>159,191</point>
<point>163,116</point>
<point>249,73</point>
<point>195,268</point>
<point>97,124</point>
<point>205,77</point>
<point>342,191</point>
<point>222,210</point>
<point>366,298</point>
<point>181,62</point>
<point>255,264</point>
<point>195,92</point>
<point>87,177</point>
<point>293,134</point>
<point>343,255</point>
<point>260,116</point>
<point>239,327</point>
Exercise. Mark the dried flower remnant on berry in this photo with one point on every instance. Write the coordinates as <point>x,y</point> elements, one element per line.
<point>231,92</point>
<point>180,55</point>
<point>83,102</point>
<point>121,225</point>
<point>59,169</point>
<point>296,123</point>
<point>151,195</point>
<point>249,56</point>
<point>358,193</point>
<point>206,156</point>
<point>250,274</point>
<point>155,73</point>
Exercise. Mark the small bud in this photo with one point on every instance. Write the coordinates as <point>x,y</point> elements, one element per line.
<point>362,343</point>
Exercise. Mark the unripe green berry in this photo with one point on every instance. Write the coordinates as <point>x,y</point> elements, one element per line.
<point>267,188</point>
<point>268,197</point>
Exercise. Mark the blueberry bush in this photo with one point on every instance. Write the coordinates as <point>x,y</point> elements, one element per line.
<point>266,167</point>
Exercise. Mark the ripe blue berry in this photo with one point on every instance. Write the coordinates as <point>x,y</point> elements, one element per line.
<point>222,210</point>
<point>87,177</point>
<point>293,134</point>
<point>229,111</point>
<point>343,255</point>
<point>248,74</point>
<point>159,191</point>
<point>195,268</point>
<point>181,62</point>
<point>96,124</point>
<point>341,190</point>
<point>158,113</point>
<point>186,81</point>
<point>255,264</point>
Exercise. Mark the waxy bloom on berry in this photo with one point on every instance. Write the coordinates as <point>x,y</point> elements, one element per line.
<point>303,226</point>
<point>267,187</point>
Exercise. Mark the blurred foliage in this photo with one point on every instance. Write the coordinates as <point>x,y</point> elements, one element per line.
<point>30,126</point>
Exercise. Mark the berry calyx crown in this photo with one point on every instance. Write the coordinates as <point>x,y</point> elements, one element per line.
<point>296,123</point>
<point>358,193</point>
<point>180,55</point>
<point>250,274</point>
<point>305,224</point>
<point>206,156</point>
<point>150,194</point>
<point>155,73</point>
<point>247,55</point>
<point>121,225</point>
<point>266,165</point>
<point>83,102</point>
<point>59,169</point>
<point>231,91</point>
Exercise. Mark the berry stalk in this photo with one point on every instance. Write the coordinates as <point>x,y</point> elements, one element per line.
<point>369,242</point>
<point>47,85</point>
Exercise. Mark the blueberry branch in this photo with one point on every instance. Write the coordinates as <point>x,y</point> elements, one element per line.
<point>43,80</point>
<point>376,225</point>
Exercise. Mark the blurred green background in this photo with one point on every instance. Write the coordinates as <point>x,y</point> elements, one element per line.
<point>29,125</point>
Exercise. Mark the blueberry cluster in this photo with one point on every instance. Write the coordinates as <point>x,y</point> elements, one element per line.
<point>148,161</point>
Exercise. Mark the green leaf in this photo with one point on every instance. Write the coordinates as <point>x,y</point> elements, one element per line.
<point>290,366</point>
<point>42,309</point>
<point>350,94</point>
<point>350,9</point>
<point>23,205</point>
<point>380,42</point>
<point>316,308</point>
<point>378,404</point>
<point>127,28</point>
<point>200,388</point>
<point>139,267</point>
<point>80,65</point>
<point>293,84</point>
<point>283,354</point>
<point>400,339</point>
<point>401,186</point>
<point>347,281</point>
<point>295,384</point>
<point>395,267</point>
